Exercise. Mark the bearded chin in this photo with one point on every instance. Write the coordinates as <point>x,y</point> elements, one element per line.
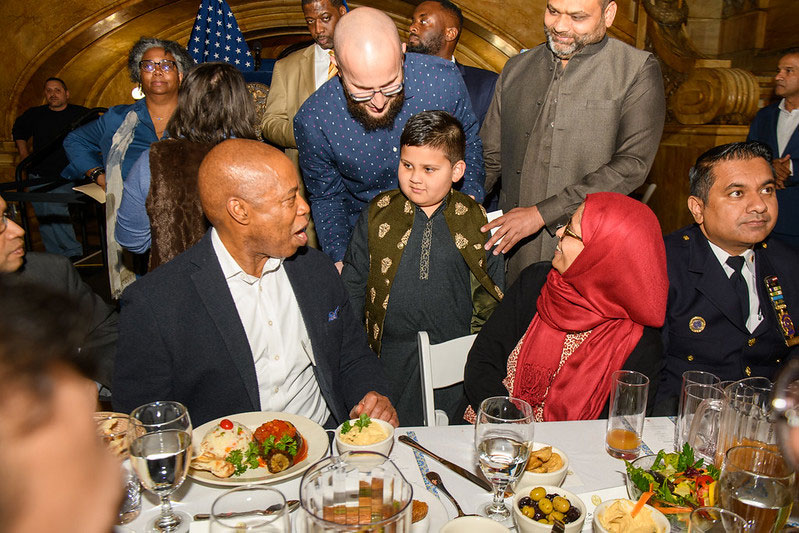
<point>562,52</point>
<point>371,123</point>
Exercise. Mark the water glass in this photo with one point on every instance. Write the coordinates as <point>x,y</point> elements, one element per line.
<point>628,396</point>
<point>691,377</point>
<point>701,424</point>
<point>503,436</point>
<point>747,417</point>
<point>355,491</point>
<point>159,441</point>
<point>250,509</point>
<point>716,520</point>
<point>757,484</point>
<point>113,430</point>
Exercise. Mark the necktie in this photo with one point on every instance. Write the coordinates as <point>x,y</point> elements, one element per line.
<point>739,284</point>
<point>331,68</point>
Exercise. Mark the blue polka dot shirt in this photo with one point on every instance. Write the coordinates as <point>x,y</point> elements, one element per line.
<point>344,166</point>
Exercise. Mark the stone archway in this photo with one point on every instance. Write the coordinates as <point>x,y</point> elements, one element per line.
<point>91,54</point>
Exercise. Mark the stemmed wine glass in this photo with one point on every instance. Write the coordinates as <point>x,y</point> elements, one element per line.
<point>503,437</point>
<point>757,484</point>
<point>159,440</point>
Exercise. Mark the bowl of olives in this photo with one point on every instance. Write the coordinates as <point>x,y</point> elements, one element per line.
<point>535,510</point>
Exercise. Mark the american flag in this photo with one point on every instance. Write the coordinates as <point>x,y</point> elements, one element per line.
<point>216,37</point>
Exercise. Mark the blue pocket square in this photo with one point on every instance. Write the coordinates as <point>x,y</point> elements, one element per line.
<point>332,315</point>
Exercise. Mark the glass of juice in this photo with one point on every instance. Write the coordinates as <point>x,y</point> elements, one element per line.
<point>628,396</point>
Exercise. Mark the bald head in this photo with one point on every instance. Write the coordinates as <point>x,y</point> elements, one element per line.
<point>238,168</point>
<point>368,37</point>
<point>250,193</point>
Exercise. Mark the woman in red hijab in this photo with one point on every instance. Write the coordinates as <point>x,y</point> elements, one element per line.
<point>563,328</point>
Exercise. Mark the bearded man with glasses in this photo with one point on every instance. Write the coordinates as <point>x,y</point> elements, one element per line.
<point>348,131</point>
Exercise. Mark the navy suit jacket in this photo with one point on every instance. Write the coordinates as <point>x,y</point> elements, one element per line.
<point>764,129</point>
<point>480,83</point>
<point>700,295</point>
<point>180,338</point>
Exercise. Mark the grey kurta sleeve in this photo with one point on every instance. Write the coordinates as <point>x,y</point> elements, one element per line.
<point>491,136</point>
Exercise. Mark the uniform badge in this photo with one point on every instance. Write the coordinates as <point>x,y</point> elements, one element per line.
<point>780,306</point>
<point>697,324</point>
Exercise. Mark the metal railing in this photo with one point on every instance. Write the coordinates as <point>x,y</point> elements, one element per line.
<point>15,191</point>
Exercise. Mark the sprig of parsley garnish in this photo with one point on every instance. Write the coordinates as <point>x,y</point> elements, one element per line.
<point>244,460</point>
<point>362,422</point>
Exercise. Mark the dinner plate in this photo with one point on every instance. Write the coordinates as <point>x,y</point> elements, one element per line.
<point>314,435</point>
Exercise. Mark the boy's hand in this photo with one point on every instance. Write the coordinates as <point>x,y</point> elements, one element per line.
<point>376,406</point>
<point>514,226</point>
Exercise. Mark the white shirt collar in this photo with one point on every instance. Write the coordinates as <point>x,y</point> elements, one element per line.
<point>721,255</point>
<point>231,268</point>
<point>782,108</point>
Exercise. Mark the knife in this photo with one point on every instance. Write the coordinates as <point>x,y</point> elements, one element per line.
<point>485,485</point>
<point>290,504</point>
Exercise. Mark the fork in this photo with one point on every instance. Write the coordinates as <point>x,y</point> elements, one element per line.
<point>558,527</point>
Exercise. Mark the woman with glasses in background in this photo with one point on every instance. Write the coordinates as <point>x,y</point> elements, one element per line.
<point>160,208</point>
<point>564,327</point>
<point>106,149</point>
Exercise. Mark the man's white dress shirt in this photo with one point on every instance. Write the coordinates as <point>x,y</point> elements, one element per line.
<point>748,272</point>
<point>787,122</point>
<point>321,58</point>
<point>281,348</point>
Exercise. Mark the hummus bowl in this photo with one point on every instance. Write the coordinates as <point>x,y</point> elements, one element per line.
<point>367,440</point>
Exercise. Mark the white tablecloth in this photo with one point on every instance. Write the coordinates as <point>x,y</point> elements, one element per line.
<point>591,469</point>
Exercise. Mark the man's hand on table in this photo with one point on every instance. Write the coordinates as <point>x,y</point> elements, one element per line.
<point>514,226</point>
<point>376,406</point>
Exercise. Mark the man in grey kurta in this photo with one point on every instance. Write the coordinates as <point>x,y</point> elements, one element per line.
<point>430,292</point>
<point>581,113</point>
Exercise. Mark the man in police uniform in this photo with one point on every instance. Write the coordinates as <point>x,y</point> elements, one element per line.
<point>720,317</point>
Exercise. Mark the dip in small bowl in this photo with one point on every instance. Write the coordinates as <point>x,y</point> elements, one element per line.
<point>367,434</point>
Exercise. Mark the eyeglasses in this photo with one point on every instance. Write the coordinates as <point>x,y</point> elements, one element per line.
<point>165,65</point>
<point>365,96</point>
<point>7,216</point>
<point>569,232</point>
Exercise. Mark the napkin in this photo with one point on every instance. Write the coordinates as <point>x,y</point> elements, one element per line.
<point>604,494</point>
<point>203,526</point>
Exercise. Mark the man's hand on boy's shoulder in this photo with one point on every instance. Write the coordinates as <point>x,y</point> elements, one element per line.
<point>513,226</point>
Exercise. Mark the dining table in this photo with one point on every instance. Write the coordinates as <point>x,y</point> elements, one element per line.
<point>593,475</point>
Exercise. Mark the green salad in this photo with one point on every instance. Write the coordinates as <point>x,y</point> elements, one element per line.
<point>678,482</point>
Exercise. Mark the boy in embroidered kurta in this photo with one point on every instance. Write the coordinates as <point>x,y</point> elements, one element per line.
<point>416,261</point>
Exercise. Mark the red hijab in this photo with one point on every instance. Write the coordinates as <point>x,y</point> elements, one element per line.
<point>615,287</point>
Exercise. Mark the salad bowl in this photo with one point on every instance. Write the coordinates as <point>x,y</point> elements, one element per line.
<point>680,484</point>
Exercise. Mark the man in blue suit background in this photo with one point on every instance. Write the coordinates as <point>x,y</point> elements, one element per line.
<point>435,31</point>
<point>777,125</point>
<point>249,318</point>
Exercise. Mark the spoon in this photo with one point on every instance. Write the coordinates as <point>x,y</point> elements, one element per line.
<point>435,479</point>
<point>291,505</point>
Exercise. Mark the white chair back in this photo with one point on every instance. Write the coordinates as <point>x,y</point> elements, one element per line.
<point>440,365</point>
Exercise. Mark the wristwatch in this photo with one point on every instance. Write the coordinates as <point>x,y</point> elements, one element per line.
<point>95,173</point>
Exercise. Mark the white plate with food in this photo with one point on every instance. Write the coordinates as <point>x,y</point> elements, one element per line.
<point>256,447</point>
